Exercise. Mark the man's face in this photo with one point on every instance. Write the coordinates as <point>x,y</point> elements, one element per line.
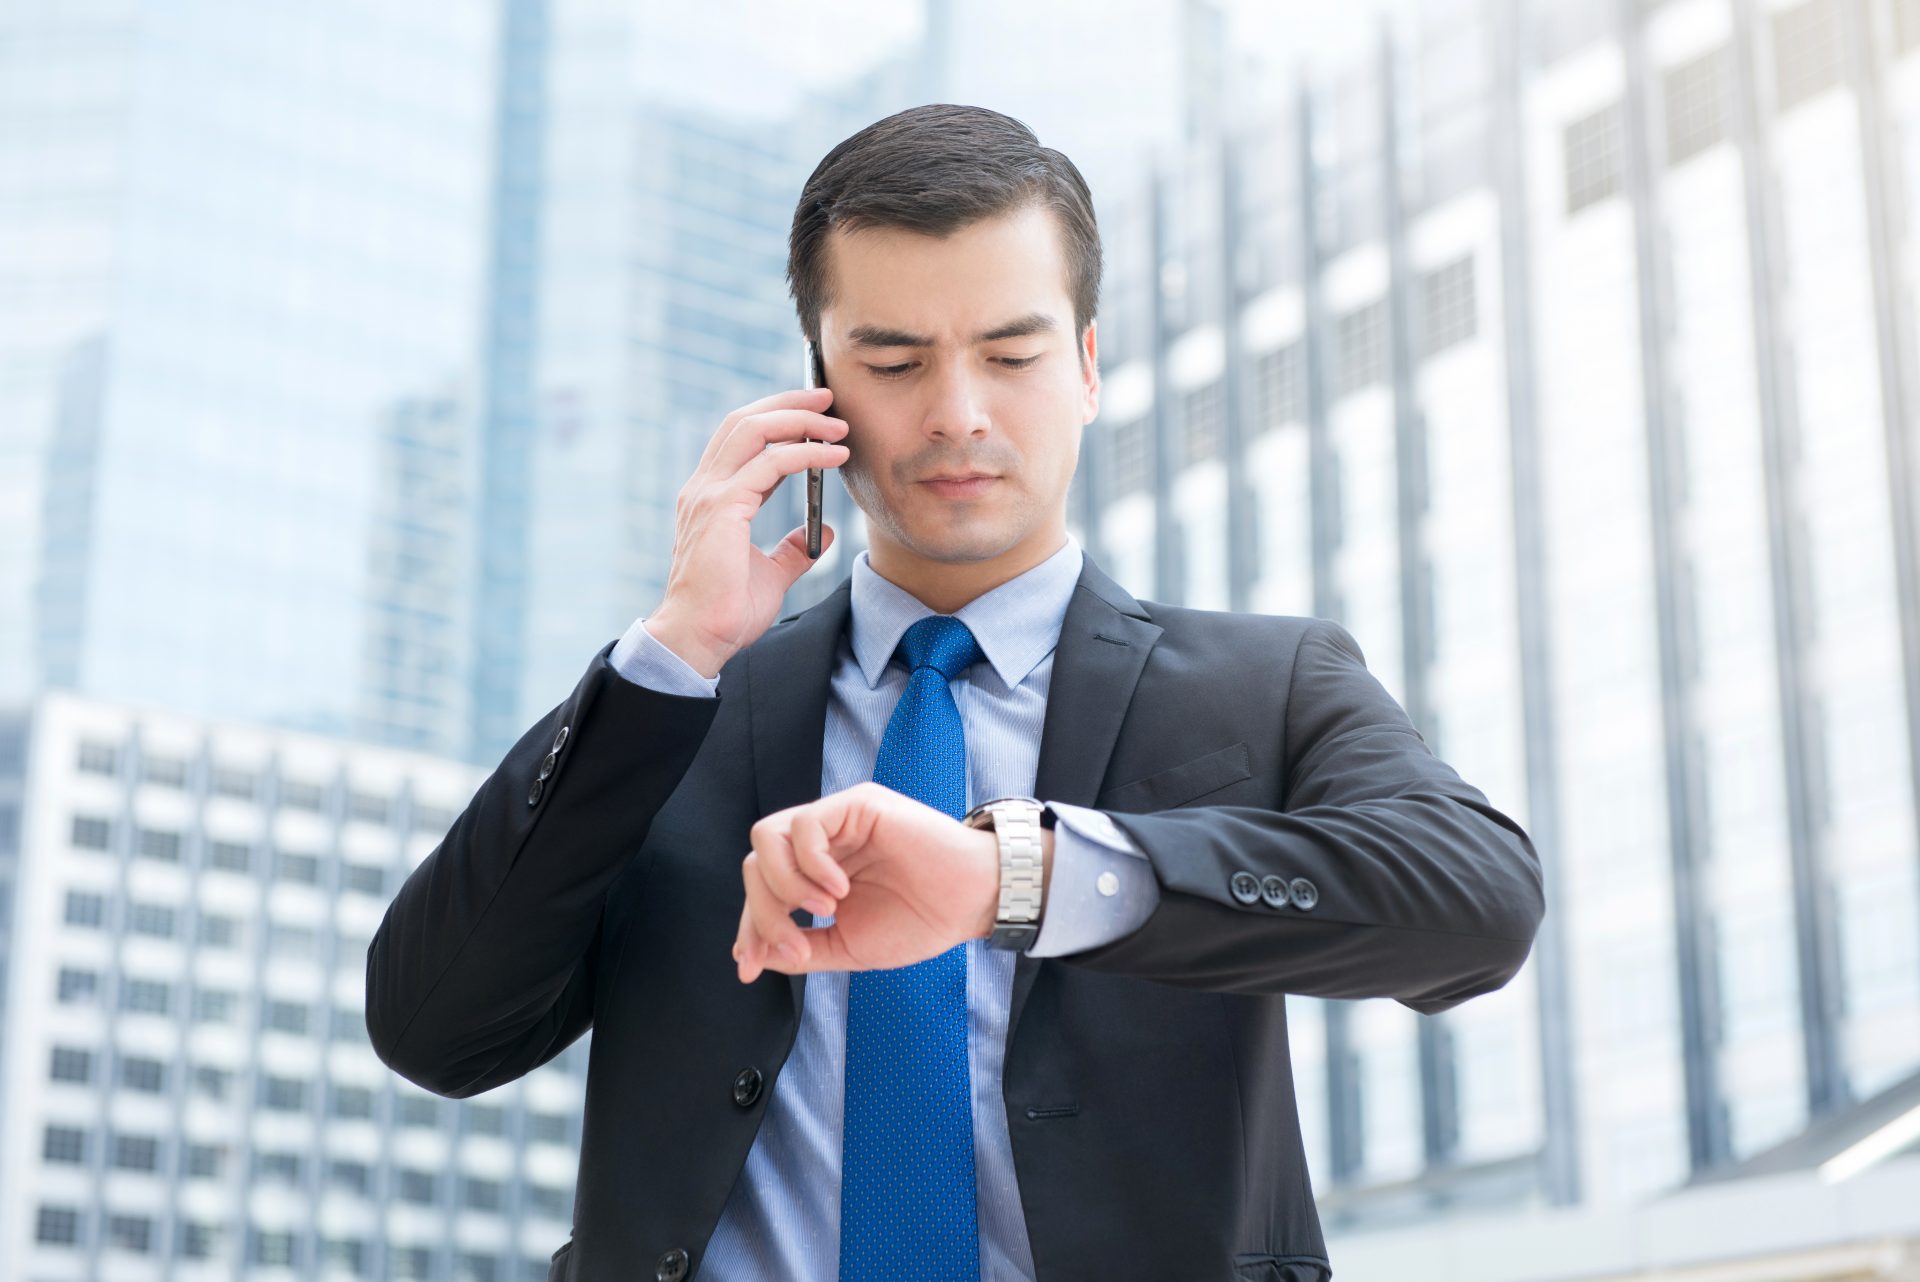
<point>955,356</point>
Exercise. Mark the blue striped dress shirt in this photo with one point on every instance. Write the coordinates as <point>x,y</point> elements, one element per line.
<point>782,1220</point>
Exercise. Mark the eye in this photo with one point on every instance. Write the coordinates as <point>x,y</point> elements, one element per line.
<point>890,371</point>
<point>1019,362</point>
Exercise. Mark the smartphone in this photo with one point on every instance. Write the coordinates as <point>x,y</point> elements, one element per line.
<point>816,478</point>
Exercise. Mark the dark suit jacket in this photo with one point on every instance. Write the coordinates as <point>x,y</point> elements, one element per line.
<point>1147,1082</point>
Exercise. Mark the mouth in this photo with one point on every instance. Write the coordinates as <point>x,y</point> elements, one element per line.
<point>966,485</point>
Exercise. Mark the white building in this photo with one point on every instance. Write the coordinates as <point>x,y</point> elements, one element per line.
<point>186,1086</point>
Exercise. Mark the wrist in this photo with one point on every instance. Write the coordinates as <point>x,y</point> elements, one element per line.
<point>989,913</point>
<point>685,641</point>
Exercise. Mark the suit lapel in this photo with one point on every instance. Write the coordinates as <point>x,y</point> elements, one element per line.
<point>1104,642</point>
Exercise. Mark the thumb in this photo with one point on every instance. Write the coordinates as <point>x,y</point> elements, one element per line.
<point>791,556</point>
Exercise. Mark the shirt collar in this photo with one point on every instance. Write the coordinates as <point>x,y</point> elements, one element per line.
<point>1017,624</point>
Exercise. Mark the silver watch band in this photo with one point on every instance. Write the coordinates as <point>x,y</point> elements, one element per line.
<point>1018,823</point>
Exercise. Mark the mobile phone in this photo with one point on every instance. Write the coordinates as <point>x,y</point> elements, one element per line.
<point>816,478</point>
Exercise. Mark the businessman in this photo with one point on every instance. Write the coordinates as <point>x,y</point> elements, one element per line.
<point>941,930</point>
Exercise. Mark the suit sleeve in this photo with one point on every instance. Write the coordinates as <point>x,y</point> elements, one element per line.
<point>1402,880</point>
<point>483,967</point>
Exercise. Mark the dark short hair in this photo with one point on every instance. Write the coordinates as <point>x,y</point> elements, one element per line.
<point>935,169</point>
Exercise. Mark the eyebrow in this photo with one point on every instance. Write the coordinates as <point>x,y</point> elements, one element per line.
<point>879,336</point>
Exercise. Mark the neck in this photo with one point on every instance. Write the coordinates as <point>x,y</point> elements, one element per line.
<point>945,586</point>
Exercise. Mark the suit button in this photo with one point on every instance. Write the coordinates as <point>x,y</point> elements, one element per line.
<point>533,793</point>
<point>560,740</point>
<point>1274,891</point>
<point>1304,894</point>
<point>746,1087</point>
<point>1245,887</point>
<point>672,1266</point>
<point>546,765</point>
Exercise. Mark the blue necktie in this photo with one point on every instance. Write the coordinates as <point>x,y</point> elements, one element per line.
<point>906,1168</point>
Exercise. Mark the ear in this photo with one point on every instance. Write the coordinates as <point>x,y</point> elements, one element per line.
<point>1090,374</point>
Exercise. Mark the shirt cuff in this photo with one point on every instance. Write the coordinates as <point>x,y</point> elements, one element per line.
<point>1101,887</point>
<point>645,660</point>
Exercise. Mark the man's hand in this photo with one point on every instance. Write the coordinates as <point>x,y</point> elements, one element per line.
<point>902,881</point>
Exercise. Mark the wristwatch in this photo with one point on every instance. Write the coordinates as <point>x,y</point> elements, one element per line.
<point>1017,822</point>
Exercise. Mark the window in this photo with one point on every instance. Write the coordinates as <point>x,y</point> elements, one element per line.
<point>213,1006</point>
<point>481,1195</point>
<point>549,1201</point>
<point>78,985</point>
<point>70,1064</point>
<point>57,1225</point>
<point>199,1241</point>
<point>486,1119</point>
<point>91,833</point>
<point>352,1101</point>
<point>233,856</point>
<point>150,919</point>
<point>368,808</point>
<point>130,1233</point>
<point>272,1247</point>
<point>366,879</point>
<point>345,1254</point>
<point>1807,55</point>
<point>154,843</point>
<point>232,781</point>
<point>136,1152</point>
<point>283,1094</point>
<point>1698,103</point>
<point>408,1262</point>
<point>166,772</point>
<point>419,1110</point>
<point>203,1161</point>
<point>416,1186</point>
<point>1447,306</point>
<point>432,819</point>
<point>1203,416</point>
<point>285,1017</point>
<point>99,758</point>
<point>284,1167</point>
<point>478,1268</point>
<point>138,1073</point>
<point>1595,157</point>
<point>150,996</point>
<point>1280,387</point>
<point>349,1025</point>
<point>211,1082</point>
<point>290,941</point>
<point>65,1144</point>
<point>296,795</point>
<point>216,931</point>
<point>548,1127</point>
<point>301,869</point>
<point>1132,456</point>
<point>350,1175</point>
<point>85,909</point>
<point>1360,340</point>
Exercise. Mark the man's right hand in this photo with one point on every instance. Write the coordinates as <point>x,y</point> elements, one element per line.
<point>722,591</point>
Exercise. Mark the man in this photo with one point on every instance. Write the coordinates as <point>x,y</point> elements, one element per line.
<point>829,1044</point>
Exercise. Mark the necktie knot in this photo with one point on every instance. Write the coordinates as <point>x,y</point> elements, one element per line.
<point>940,641</point>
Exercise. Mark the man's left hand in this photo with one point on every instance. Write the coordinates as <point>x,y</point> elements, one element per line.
<point>902,881</point>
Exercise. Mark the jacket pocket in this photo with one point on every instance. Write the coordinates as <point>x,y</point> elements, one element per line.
<point>1256,1267</point>
<point>1178,785</point>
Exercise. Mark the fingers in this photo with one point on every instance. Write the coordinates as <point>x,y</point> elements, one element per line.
<point>810,399</point>
<point>773,466</point>
<point>807,842</point>
<point>791,555</point>
<point>754,433</point>
<point>768,916</point>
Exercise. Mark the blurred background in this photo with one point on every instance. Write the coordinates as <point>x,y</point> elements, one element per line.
<point>352,356</point>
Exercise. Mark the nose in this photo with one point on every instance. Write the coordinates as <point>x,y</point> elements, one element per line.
<point>956,408</point>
